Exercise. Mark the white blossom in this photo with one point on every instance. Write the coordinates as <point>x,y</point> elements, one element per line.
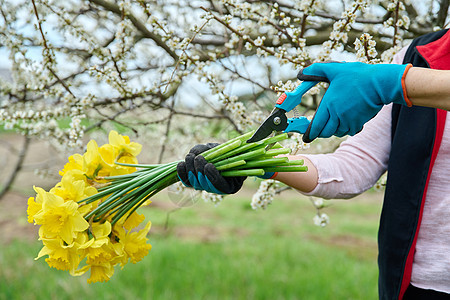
<point>321,219</point>
<point>213,198</point>
<point>259,41</point>
<point>365,49</point>
<point>265,194</point>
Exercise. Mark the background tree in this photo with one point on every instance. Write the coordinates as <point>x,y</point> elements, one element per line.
<point>180,72</point>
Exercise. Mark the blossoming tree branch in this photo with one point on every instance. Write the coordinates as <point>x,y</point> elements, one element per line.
<point>148,65</point>
<point>174,73</point>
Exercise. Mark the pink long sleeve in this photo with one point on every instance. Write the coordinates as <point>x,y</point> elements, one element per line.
<point>358,162</point>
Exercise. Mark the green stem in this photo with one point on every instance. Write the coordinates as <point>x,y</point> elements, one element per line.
<point>245,156</point>
<point>123,196</point>
<point>252,172</point>
<point>240,149</point>
<point>275,139</point>
<point>231,165</point>
<point>129,185</point>
<point>287,169</point>
<point>122,210</point>
<point>132,205</point>
<point>137,165</point>
<point>272,162</point>
<point>275,152</point>
<point>248,146</point>
<point>125,176</point>
<point>241,138</point>
<point>219,151</point>
<point>117,186</point>
<point>276,146</point>
<point>298,162</point>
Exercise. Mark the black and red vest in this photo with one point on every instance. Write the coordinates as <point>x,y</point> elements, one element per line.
<point>416,137</point>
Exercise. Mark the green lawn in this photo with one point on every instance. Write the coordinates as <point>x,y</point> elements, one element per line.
<point>225,252</point>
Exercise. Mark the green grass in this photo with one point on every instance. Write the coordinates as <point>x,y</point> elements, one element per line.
<point>225,252</point>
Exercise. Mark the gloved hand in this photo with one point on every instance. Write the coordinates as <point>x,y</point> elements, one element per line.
<point>356,93</point>
<point>196,172</point>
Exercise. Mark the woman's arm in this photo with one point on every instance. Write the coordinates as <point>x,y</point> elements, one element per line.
<point>303,181</point>
<point>427,87</point>
<point>353,168</point>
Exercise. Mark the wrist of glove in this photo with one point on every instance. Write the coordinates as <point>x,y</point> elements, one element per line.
<point>197,173</point>
<point>356,93</point>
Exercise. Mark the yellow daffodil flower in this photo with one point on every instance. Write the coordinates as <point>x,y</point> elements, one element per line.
<point>59,218</point>
<point>123,144</point>
<point>75,163</point>
<point>95,251</point>
<point>135,243</point>
<point>35,204</point>
<point>93,164</point>
<point>101,273</point>
<point>32,209</point>
<point>102,254</point>
<point>101,232</point>
<point>63,256</point>
<point>132,221</point>
<point>71,188</point>
<point>110,154</point>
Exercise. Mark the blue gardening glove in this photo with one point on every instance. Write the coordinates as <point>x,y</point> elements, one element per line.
<point>197,173</point>
<point>356,93</point>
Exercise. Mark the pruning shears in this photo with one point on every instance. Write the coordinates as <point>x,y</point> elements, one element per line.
<point>277,121</point>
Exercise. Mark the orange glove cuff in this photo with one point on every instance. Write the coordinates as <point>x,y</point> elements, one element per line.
<point>405,95</point>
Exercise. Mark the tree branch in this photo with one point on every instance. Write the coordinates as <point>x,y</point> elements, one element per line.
<point>166,134</point>
<point>112,7</point>
<point>442,14</point>
<point>17,167</point>
<point>44,41</point>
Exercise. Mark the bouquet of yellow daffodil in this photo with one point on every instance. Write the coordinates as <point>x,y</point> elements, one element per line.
<point>88,221</point>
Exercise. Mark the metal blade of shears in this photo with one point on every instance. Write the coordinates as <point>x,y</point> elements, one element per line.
<point>276,121</point>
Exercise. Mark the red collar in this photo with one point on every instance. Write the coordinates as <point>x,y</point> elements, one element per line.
<point>437,53</point>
